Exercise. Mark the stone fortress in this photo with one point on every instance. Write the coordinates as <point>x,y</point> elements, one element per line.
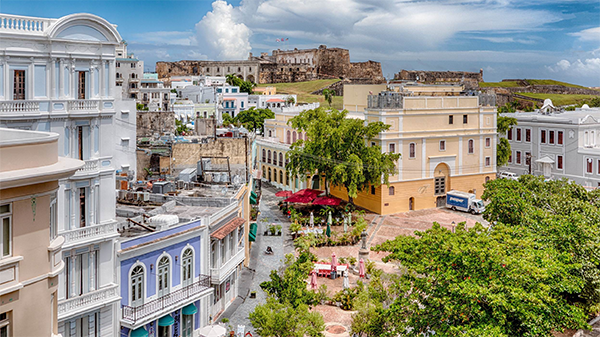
<point>282,66</point>
<point>469,79</point>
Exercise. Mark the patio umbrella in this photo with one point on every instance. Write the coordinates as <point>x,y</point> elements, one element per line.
<point>328,201</point>
<point>313,280</point>
<point>334,262</point>
<point>285,194</point>
<point>308,192</point>
<point>346,280</point>
<point>213,331</point>
<point>361,268</point>
<point>311,221</point>
<point>328,230</point>
<point>329,220</point>
<point>299,199</point>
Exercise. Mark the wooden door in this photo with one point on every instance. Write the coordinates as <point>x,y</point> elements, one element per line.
<point>19,85</point>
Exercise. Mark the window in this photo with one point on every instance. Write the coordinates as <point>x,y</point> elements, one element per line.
<point>269,174</point>
<point>510,158</point>
<point>81,272</point>
<point>488,142</point>
<point>559,137</point>
<point>411,203</point>
<point>163,276</point>
<point>19,85</point>
<point>372,189</point>
<point>264,172</point>
<point>440,185</point>
<point>164,331</point>
<point>118,65</point>
<point>589,166</point>
<point>599,166</point>
<point>528,135</point>
<point>53,217</point>
<point>264,156</point>
<point>372,144</point>
<point>451,119</point>
<point>274,157</point>
<point>187,267</point>
<point>82,207</point>
<point>559,162</point>
<point>269,157</point>
<point>280,159</point>
<point>465,119</point>
<point>412,153</point>
<point>551,137</point>
<point>509,134</point>
<point>391,190</point>
<point>275,173</point>
<point>471,146</point>
<point>392,148</point>
<point>527,158</point>
<point>518,134</point>
<point>294,135</point>
<point>4,325</point>
<point>81,85</point>
<point>6,218</point>
<point>488,161</point>
<point>442,145</point>
<point>137,286</point>
<point>543,137</point>
<point>281,176</point>
<point>288,138</point>
<point>133,65</point>
<point>518,157</point>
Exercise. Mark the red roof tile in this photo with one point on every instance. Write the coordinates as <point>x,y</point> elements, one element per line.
<point>227,228</point>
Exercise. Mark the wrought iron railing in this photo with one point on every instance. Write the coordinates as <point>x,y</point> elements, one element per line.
<point>142,311</point>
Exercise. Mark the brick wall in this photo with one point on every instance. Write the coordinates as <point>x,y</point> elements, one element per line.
<point>149,122</point>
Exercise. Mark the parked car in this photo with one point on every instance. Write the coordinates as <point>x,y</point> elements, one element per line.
<point>508,175</point>
<point>463,201</point>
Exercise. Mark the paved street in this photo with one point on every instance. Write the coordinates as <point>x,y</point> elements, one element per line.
<point>261,264</point>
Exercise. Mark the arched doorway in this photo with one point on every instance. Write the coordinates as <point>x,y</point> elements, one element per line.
<point>316,182</point>
<point>250,78</point>
<point>411,204</point>
<point>441,183</point>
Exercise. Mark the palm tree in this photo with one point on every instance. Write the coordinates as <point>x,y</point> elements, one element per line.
<point>328,93</point>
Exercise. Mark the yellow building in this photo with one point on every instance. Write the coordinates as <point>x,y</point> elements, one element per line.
<point>265,90</point>
<point>30,249</point>
<point>447,140</point>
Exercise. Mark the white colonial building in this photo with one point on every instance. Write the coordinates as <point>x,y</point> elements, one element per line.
<point>58,75</point>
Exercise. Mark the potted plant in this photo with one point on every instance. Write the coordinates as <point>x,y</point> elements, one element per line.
<point>278,227</point>
<point>272,229</point>
<point>253,294</point>
<point>295,228</point>
<point>352,260</point>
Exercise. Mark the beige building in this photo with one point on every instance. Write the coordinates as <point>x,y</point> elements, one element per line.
<point>447,139</point>
<point>30,249</point>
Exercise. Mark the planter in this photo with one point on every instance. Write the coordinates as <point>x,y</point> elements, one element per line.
<point>266,233</point>
<point>278,233</point>
<point>253,294</point>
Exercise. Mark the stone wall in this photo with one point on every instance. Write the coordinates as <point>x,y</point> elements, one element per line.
<point>469,79</point>
<point>187,154</point>
<point>150,122</point>
<point>284,73</point>
<point>246,69</point>
<point>368,72</point>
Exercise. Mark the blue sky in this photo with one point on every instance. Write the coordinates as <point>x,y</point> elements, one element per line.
<point>506,38</point>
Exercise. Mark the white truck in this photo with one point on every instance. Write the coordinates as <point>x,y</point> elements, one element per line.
<point>463,201</point>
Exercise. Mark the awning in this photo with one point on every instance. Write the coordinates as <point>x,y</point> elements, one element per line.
<point>253,198</point>
<point>253,194</point>
<point>166,321</point>
<point>189,309</point>
<point>139,332</point>
<point>253,230</point>
<point>227,228</point>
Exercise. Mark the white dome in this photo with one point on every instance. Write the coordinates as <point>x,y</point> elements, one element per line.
<point>548,101</point>
<point>585,106</point>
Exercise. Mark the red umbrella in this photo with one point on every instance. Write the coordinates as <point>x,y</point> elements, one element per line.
<point>361,268</point>
<point>313,280</point>
<point>333,262</point>
<point>285,194</point>
<point>328,201</point>
<point>308,192</point>
<point>299,199</point>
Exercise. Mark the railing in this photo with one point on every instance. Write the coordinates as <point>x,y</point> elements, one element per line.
<point>385,100</point>
<point>90,165</point>
<point>85,233</point>
<point>134,314</point>
<point>216,273</point>
<point>83,105</point>
<point>80,303</point>
<point>19,106</point>
<point>23,24</point>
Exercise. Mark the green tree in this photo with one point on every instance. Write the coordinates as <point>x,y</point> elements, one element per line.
<point>254,119</point>
<point>227,120</point>
<point>180,127</point>
<point>288,285</point>
<point>504,123</point>
<point>245,86</point>
<point>337,150</point>
<point>275,319</point>
<point>480,282</point>
<point>328,94</point>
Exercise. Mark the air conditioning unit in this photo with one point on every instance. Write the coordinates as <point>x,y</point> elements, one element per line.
<point>145,196</point>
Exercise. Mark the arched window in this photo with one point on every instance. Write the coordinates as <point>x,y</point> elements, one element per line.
<point>137,286</point>
<point>280,159</point>
<point>275,175</point>
<point>471,146</point>
<point>487,179</point>
<point>294,137</point>
<point>288,138</point>
<point>269,174</point>
<point>412,150</point>
<point>281,177</point>
<point>274,157</point>
<point>187,266</point>
<point>287,179</point>
<point>264,172</point>
<point>269,157</point>
<point>270,133</point>
<point>264,156</point>
<point>411,203</point>
<point>391,190</point>
<point>164,274</point>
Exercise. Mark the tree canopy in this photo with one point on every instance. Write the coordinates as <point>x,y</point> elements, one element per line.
<point>336,148</point>
<point>328,94</point>
<point>245,86</point>
<point>275,319</point>
<point>254,119</point>
<point>504,123</point>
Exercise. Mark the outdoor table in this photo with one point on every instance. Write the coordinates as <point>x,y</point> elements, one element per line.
<point>325,269</point>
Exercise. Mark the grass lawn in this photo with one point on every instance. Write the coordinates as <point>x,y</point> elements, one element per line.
<point>507,84</point>
<point>303,91</point>
<point>553,82</point>
<point>558,99</point>
<point>512,84</point>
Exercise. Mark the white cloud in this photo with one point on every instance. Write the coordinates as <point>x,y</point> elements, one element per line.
<point>587,67</point>
<point>591,34</point>
<point>223,34</point>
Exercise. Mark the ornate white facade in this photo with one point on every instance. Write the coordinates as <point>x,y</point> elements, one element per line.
<point>58,75</point>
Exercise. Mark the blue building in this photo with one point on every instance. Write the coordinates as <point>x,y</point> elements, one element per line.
<point>163,267</point>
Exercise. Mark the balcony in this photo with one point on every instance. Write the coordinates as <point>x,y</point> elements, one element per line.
<point>55,106</point>
<point>24,24</point>
<point>83,105</point>
<point>91,301</point>
<point>137,316</point>
<point>19,106</point>
<point>90,165</point>
<point>218,275</point>
<point>89,234</point>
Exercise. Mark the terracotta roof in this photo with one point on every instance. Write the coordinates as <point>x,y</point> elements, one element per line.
<point>227,228</point>
<point>275,100</point>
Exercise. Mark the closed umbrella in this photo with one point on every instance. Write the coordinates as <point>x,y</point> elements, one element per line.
<point>329,220</point>
<point>346,280</point>
<point>333,266</point>
<point>213,331</point>
<point>361,268</point>
<point>345,225</point>
<point>313,280</point>
<point>312,220</point>
<point>349,219</point>
<point>328,231</point>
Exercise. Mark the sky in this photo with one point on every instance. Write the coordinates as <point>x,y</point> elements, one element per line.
<point>545,39</point>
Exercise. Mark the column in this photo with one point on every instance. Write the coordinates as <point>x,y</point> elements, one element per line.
<point>61,78</point>
<point>92,78</point>
<point>91,206</point>
<point>52,77</point>
<point>6,79</point>
<point>72,271</point>
<point>111,70</point>
<point>71,79</point>
<point>92,268</point>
